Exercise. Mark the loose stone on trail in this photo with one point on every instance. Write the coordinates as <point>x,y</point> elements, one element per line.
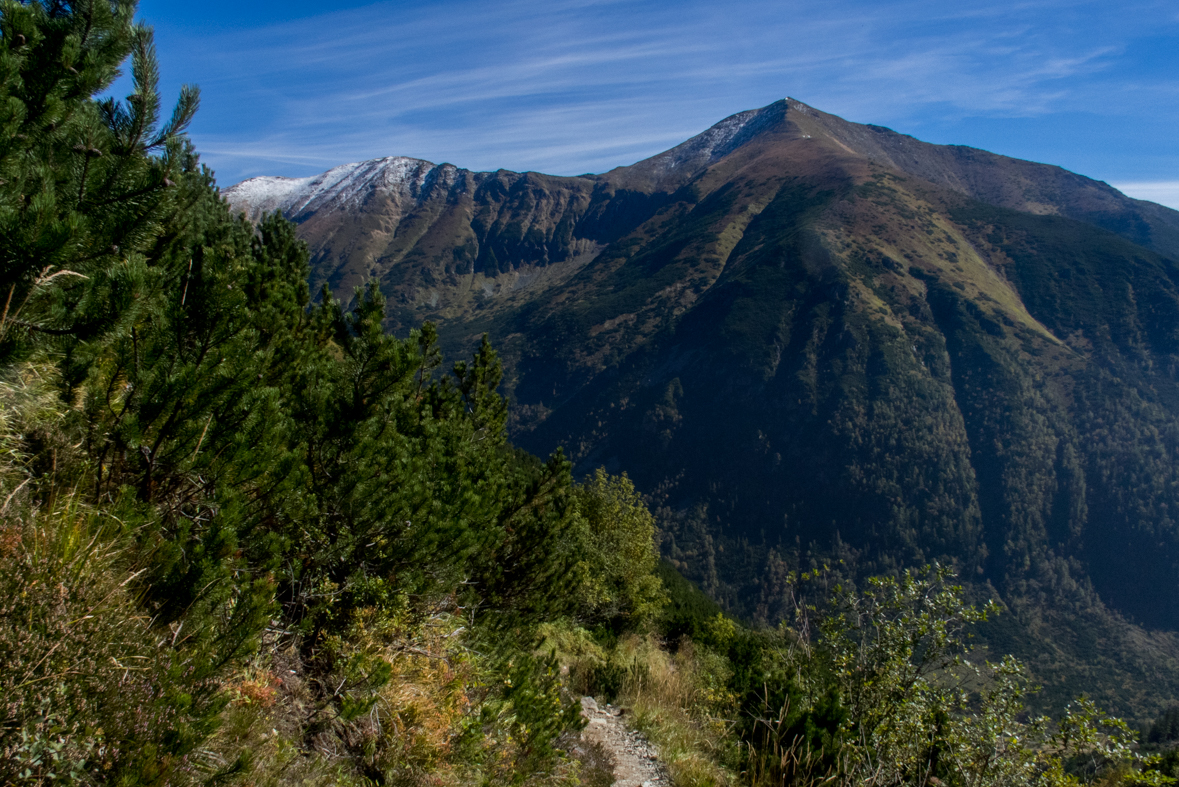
<point>635,759</point>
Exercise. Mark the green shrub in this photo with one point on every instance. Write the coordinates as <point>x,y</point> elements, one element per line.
<point>887,696</point>
<point>617,556</point>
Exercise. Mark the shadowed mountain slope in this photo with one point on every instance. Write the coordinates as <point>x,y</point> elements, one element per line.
<point>809,339</point>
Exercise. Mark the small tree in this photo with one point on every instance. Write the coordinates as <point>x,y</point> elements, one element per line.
<point>616,542</point>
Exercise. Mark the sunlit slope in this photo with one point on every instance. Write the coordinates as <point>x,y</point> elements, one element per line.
<point>908,374</point>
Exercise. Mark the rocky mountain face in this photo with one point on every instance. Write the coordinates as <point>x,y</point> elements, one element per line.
<point>807,339</point>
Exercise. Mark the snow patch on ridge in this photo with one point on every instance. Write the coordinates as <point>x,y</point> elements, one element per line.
<point>264,194</point>
<point>706,146</point>
<point>339,188</point>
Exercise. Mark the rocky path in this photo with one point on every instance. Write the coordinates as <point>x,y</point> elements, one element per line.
<point>636,762</point>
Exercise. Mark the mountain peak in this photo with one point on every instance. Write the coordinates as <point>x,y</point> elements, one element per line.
<point>718,141</point>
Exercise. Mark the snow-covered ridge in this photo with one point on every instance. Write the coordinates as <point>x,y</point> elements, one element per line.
<point>339,188</point>
<point>264,194</point>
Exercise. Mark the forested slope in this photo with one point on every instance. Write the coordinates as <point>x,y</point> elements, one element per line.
<point>807,339</point>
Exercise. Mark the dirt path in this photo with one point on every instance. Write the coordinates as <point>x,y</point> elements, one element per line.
<point>636,763</point>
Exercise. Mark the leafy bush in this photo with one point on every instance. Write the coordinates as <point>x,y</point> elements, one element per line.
<point>887,696</point>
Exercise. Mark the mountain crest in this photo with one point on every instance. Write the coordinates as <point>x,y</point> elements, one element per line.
<point>340,188</point>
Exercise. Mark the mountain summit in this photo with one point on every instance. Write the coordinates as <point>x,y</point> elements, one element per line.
<point>398,189</point>
<point>809,339</point>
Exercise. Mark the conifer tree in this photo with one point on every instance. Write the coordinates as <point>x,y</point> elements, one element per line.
<point>255,459</point>
<point>85,186</point>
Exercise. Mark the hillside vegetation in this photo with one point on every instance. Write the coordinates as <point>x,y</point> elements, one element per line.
<point>807,341</point>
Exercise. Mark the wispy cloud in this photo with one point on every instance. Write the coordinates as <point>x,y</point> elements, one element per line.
<point>1162,192</point>
<point>571,86</point>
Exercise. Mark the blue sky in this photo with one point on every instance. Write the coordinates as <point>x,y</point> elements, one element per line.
<point>571,86</point>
